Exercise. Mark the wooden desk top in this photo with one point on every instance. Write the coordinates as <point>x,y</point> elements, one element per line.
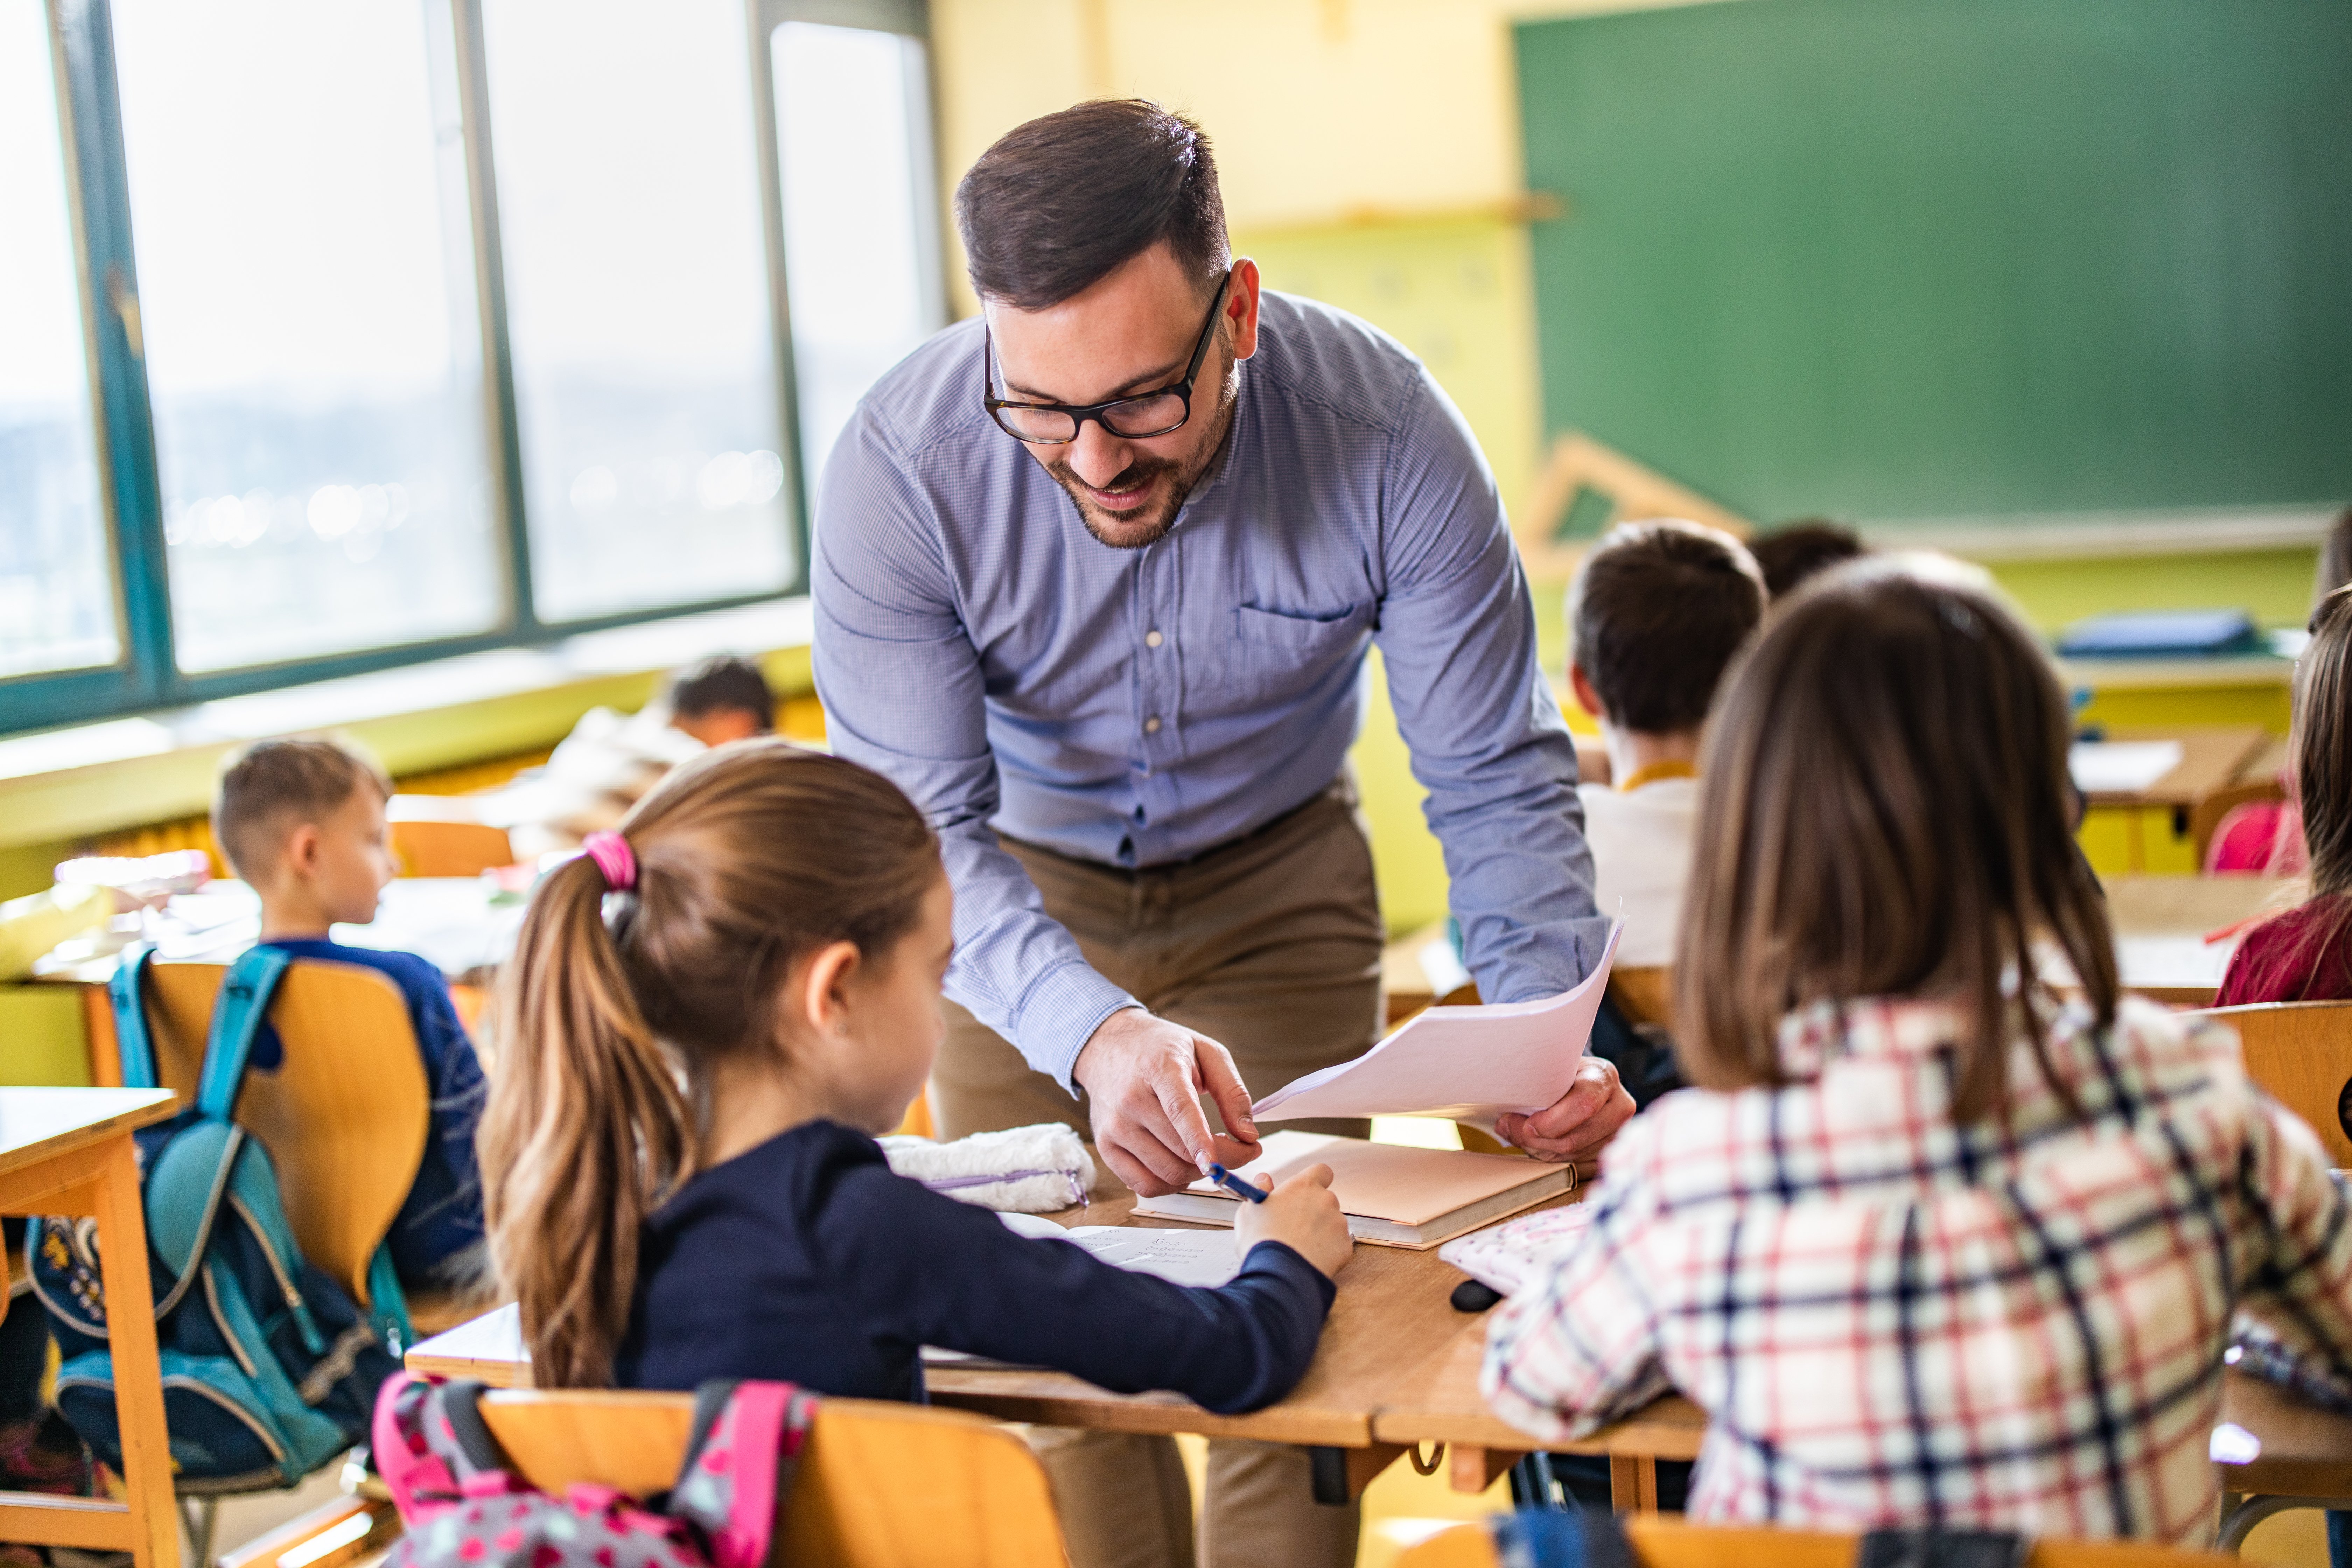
<point>1438,1402</point>
<point>38,1124</point>
<point>2190,906</point>
<point>2211,759</point>
<point>2300,1450</point>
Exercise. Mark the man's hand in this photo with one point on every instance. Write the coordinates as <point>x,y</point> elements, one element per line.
<point>1144,1076</point>
<point>1575,1125</point>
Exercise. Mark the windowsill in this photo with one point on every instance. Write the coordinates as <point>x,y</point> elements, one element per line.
<point>124,772</point>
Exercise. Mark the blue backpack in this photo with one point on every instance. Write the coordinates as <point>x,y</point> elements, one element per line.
<point>271,1370</point>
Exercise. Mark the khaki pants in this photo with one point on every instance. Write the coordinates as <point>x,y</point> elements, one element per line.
<point>1270,946</point>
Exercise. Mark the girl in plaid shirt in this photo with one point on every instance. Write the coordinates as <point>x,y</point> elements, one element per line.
<point>1930,1247</point>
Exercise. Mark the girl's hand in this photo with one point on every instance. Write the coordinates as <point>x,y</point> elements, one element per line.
<point>1302,1215</point>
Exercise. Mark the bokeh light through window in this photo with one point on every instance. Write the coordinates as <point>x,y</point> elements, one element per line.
<point>298,193</point>
<point>56,590</point>
<point>646,380</point>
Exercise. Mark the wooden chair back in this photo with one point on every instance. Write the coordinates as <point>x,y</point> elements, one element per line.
<point>2301,1055</point>
<point>345,1117</point>
<point>1645,996</point>
<point>449,848</point>
<point>879,1485</point>
<point>2205,816</point>
<point>1660,1542</point>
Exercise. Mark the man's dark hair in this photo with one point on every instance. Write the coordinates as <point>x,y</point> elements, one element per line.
<point>1655,615</point>
<point>1059,203</point>
<point>275,786</point>
<point>723,684</point>
<point>1796,551</point>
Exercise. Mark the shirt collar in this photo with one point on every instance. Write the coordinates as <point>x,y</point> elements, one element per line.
<point>1655,772</point>
<point>1818,1034</point>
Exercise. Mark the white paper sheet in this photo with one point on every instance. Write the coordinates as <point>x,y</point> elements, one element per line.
<point>2120,767</point>
<point>1470,1064</point>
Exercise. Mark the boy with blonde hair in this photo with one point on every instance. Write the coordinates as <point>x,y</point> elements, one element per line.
<point>303,823</point>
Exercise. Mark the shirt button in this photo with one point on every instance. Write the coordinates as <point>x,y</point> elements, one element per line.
<point>1152,639</point>
<point>1151,725</point>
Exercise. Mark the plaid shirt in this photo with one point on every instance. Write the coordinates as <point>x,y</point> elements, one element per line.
<point>1891,1319</point>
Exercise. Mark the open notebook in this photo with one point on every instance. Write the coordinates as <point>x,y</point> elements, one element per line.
<point>1392,1197</point>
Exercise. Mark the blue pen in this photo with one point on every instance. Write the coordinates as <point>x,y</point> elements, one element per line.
<point>1234,1184</point>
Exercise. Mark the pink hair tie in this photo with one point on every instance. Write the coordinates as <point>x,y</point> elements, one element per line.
<point>614,857</point>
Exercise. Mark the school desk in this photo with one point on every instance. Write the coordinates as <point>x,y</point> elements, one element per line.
<point>1393,1339</point>
<point>2161,924</point>
<point>68,1152</point>
<point>2212,759</point>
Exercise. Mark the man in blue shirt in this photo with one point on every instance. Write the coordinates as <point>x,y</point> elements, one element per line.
<point>1095,576</point>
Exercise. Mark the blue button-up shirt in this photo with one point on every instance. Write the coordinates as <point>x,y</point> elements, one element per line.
<point>1137,706</point>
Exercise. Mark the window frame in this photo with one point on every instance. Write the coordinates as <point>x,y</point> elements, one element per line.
<point>147,675</point>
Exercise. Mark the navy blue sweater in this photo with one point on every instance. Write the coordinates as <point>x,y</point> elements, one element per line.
<point>807,1260</point>
<point>443,1215</point>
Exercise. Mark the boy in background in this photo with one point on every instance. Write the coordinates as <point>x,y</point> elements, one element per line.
<point>610,759</point>
<point>302,822</point>
<point>1654,615</point>
<point>1796,551</point>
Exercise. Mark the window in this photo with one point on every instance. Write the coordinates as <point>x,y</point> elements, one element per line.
<point>339,336</point>
<point>56,587</point>
<point>313,343</point>
<point>852,129</point>
<point>637,298</point>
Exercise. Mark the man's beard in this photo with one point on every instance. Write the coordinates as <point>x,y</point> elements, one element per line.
<point>1149,523</point>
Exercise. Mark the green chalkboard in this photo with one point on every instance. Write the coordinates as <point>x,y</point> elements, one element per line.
<point>1938,258</point>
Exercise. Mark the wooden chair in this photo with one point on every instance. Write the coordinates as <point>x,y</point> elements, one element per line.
<point>345,1118</point>
<point>879,1485</point>
<point>2301,1055</point>
<point>2205,816</point>
<point>1645,996</point>
<point>1661,1541</point>
<point>430,842</point>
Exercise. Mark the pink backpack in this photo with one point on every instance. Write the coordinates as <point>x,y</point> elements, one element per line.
<point>463,1507</point>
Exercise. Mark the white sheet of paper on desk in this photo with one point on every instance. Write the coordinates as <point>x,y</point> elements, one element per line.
<point>2120,767</point>
<point>1471,1064</point>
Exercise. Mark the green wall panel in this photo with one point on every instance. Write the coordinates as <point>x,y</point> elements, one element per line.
<point>1905,258</point>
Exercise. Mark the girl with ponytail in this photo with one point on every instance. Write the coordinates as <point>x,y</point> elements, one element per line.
<point>710,1016</point>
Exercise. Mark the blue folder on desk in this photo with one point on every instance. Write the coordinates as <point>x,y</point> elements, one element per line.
<point>2162,633</point>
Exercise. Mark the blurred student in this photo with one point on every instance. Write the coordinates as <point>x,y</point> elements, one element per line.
<point>2266,838</point>
<point>302,822</point>
<point>1927,1247</point>
<point>610,759</point>
<point>1654,615</point>
<point>1796,551</point>
<point>712,1014</point>
<point>2305,954</point>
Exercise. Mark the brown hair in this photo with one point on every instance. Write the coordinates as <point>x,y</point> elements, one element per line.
<point>1885,784</point>
<point>615,1010</point>
<point>724,682</point>
<point>2321,748</point>
<point>1654,615</point>
<point>274,786</point>
<point>1059,203</point>
<point>2335,558</point>
<point>1796,551</point>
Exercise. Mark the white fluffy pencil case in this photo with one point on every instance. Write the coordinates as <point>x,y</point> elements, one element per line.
<point>1024,1170</point>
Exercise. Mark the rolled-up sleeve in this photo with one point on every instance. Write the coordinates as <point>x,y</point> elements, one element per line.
<point>1457,634</point>
<point>902,689</point>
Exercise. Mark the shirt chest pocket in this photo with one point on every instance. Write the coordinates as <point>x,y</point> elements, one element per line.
<point>1274,655</point>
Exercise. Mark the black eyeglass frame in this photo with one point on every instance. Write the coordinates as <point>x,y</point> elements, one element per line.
<point>1079,415</point>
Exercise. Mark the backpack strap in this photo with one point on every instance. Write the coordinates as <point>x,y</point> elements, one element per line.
<point>388,1303</point>
<point>739,1462</point>
<point>127,990</point>
<point>238,1014</point>
<point>461,1406</point>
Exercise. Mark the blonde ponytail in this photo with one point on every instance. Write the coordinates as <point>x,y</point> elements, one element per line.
<point>585,1131</point>
<point>745,857</point>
